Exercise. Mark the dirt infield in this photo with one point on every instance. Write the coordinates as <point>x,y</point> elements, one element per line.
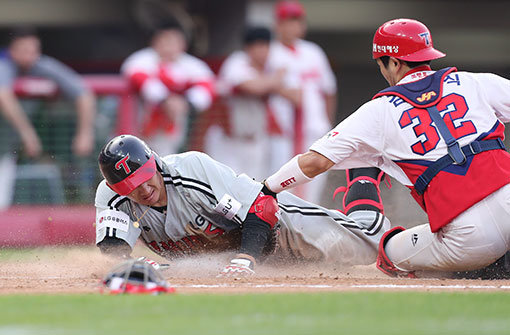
<point>80,270</point>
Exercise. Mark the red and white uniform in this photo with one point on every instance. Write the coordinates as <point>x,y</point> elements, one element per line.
<point>469,205</point>
<point>155,81</point>
<point>308,69</point>
<point>244,148</point>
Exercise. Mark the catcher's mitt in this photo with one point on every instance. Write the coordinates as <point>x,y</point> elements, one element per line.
<point>135,277</point>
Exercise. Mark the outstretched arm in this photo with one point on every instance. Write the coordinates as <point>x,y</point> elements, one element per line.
<point>299,170</point>
<point>256,232</point>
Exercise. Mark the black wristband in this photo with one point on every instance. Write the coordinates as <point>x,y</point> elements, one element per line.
<point>267,191</point>
<point>255,235</point>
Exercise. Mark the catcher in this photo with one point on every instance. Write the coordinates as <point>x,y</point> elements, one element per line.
<point>187,203</point>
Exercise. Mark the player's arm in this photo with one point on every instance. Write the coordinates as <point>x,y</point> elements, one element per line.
<point>83,142</point>
<point>294,95</point>
<point>346,146</point>
<point>497,93</point>
<point>72,86</point>
<point>256,231</point>
<point>201,94</point>
<point>299,170</point>
<point>328,84</point>
<point>12,111</point>
<point>261,85</point>
<point>240,200</point>
<point>331,104</point>
<point>115,233</point>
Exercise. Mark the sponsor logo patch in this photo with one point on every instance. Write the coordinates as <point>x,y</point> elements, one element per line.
<point>113,219</point>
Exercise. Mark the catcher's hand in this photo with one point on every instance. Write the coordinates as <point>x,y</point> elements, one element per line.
<point>238,267</point>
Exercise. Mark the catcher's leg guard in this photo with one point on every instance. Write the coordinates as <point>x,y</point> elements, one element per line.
<point>362,191</point>
<point>384,263</point>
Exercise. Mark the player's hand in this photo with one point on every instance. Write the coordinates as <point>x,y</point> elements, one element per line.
<point>175,107</point>
<point>294,95</point>
<point>31,143</point>
<point>154,264</point>
<point>238,268</point>
<point>83,143</point>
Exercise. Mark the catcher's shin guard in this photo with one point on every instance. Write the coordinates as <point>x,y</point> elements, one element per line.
<point>362,191</point>
<point>384,263</point>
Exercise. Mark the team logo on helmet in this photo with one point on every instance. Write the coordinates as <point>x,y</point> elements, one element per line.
<point>122,163</point>
<point>425,36</point>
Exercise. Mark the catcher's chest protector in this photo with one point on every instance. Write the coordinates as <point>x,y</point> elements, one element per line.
<point>426,97</point>
<point>423,93</point>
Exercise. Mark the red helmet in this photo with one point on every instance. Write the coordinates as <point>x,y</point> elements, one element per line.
<point>405,39</point>
<point>287,9</point>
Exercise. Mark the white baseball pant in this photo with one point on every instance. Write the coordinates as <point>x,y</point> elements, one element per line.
<point>474,239</point>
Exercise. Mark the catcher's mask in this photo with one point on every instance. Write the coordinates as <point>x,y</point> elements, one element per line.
<point>135,277</point>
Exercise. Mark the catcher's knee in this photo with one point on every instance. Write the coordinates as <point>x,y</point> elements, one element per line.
<point>265,207</point>
<point>384,263</point>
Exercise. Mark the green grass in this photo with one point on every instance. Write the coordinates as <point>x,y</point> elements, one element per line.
<point>324,313</point>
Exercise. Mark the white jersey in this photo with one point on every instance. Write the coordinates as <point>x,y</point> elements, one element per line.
<point>378,135</point>
<point>247,113</point>
<point>390,134</point>
<point>197,219</point>
<point>244,146</point>
<point>188,76</point>
<point>307,68</point>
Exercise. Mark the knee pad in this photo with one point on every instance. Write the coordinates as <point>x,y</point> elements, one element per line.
<point>383,263</point>
<point>266,208</point>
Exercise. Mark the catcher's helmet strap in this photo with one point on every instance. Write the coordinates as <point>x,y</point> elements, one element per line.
<point>140,176</point>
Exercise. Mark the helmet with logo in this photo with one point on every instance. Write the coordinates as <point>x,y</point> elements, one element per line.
<point>289,9</point>
<point>405,39</point>
<point>126,162</point>
<point>135,277</point>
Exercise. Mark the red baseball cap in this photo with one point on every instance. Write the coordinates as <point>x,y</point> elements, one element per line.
<point>288,9</point>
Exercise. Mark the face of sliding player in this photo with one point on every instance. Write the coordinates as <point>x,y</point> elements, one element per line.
<point>130,168</point>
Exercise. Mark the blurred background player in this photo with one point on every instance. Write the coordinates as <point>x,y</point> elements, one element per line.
<point>23,58</point>
<point>173,85</point>
<point>246,85</point>
<point>306,109</point>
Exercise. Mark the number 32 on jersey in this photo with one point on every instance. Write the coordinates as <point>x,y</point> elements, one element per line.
<point>452,107</point>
